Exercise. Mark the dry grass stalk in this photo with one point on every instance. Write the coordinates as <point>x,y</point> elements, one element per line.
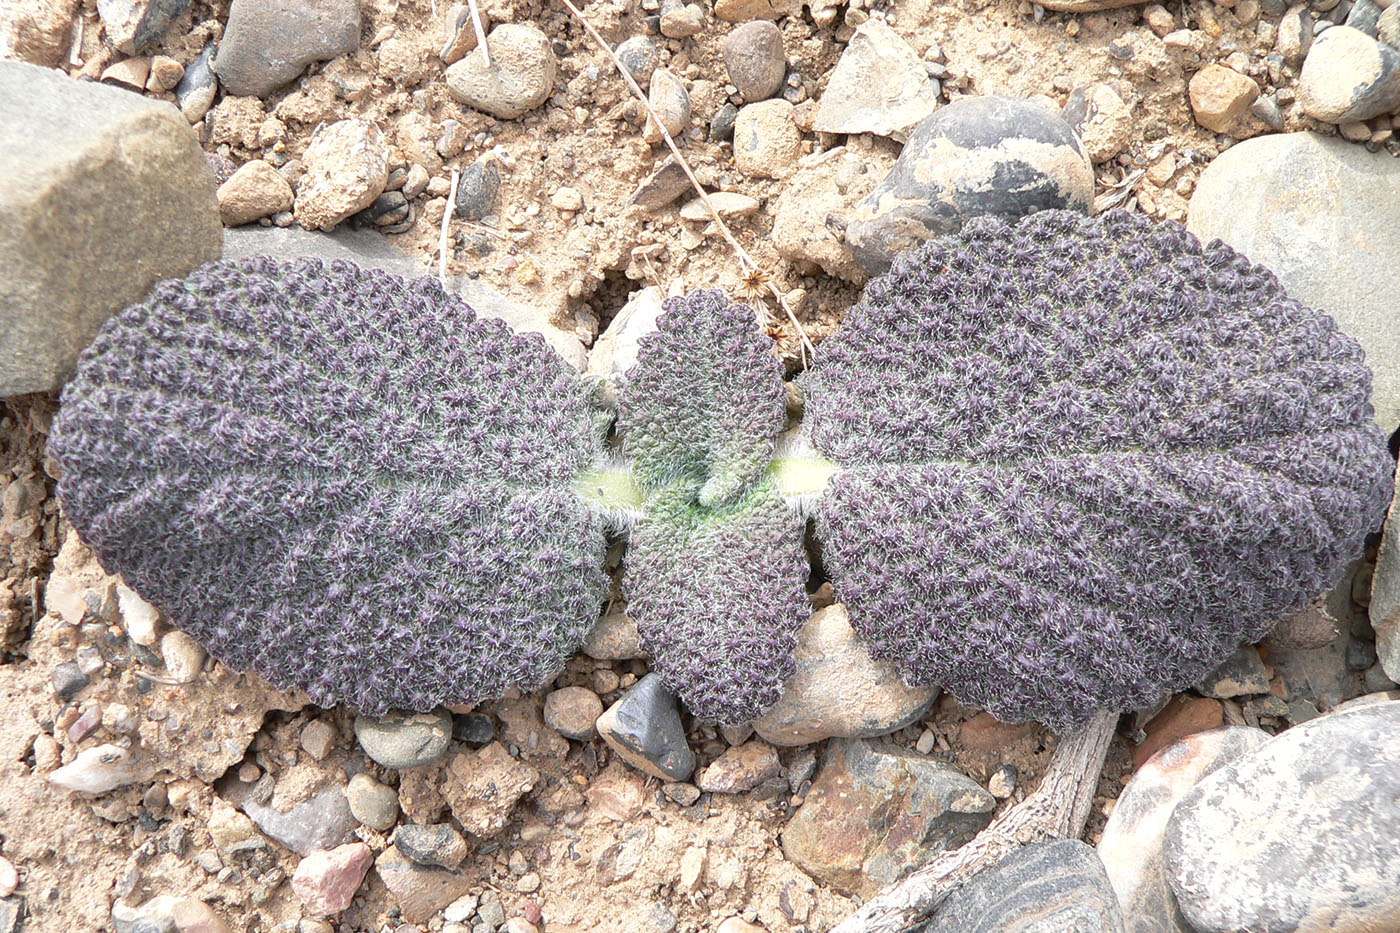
<point>447,219</point>
<point>750,269</point>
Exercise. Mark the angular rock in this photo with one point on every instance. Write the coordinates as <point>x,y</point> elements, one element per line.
<point>874,814</point>
<point>346,167</point>
<point>613,353</point>
<point>1349,76</point>
<point>481,787</point>
<point>879,86</point>
<point>194,916</point>
<point>681,20</point>
<point>837,690</point>
<point>323,821</point>
<point>255,191</point>
<point>478,189</point>
<point>405,740</point>
<point>1220,97</point>
<point>460,33</point>
<point>1313,627</point>
<point>132,26</point>
<point>826,187</point>
<point>421,891</point>
<point>105,193</point>
<point>156,915</point>
<point>519,78</point>
<point>740,769</point>
<point>99,769</point>
<point>1385,593</point>
<point>1318,224</point>
<point>439,844</point>
<point>725,203</point>
<point>1182,716</point>
<point>1044,887</point>
<point>644,728</point>
<point>1295,34</point>
<point>1297,834</point>
<point>766,140</point>
<point>326,880</point>
<point>754,59</point>
<point>195,92</point>
<point>976,156</point>
<point>267,43</point>
<point>374,804</point>
<point>572,711</point>
<point>1131,843</point>
<point>232,831</point>
<point>1101,117</point>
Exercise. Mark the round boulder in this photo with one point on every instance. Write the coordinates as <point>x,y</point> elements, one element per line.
<point>978,155</point>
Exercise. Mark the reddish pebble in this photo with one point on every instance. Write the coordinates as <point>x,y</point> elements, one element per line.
<point>327,879</point>
<point>532,912</point>
<point>1184,715</point>
<point>86,724</point>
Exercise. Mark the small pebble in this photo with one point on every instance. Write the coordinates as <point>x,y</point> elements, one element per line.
<point>477,190</point>
<point>567,199</point>
<point>644,728</point>
<point>318,737</point>
<point>68,679</point>
<point>1003,782</point>
<point>473,729</point>
<point>374,804</point>
<point>572,712</point>
<point>754,59</point>
<point>639,56</point>
<point>326,880</point>
<point>182,655</point>
<point>722,123</point>
<point>405,740</point>
<point>519,78</point>
<point>439,844</point>
<point>9,877</point>
<point>766,139</point>
<point>671,103</point>
<point>681,21</point>
<point>97,770</point>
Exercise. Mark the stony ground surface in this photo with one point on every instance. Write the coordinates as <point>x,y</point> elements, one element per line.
<point>594,844</point>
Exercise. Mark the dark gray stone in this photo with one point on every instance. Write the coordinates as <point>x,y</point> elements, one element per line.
<point>68,679</point>
<point>977,156</point>
<point>1385,589</point>
<point>267,43</point>
<point>135,25</point>
<point>403,739</point>
<point>1049,887</point>
<point>478,189</point>
<point>639,56</point>
<point>1297,834</point>
<point>104,193</point>
<point>1241,674</point>
<point>1364,15</point>
<point>1316,221</point>
<point>722,123</point>
<point>664,185</point>
<point>475,729</point>
<point>439,844</point>
<point>754,59</point>
<point>198,85</point>
<point>644,727</point>
<point>388,209</point>
<point>877,812</point>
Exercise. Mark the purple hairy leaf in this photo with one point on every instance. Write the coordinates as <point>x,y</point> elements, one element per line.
<point>1083,459</point>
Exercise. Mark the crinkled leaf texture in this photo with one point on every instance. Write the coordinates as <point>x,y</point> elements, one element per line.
<point>705,399</point>
<point>340,478</point>
<point>1084,459</point>
<point>715,568</point>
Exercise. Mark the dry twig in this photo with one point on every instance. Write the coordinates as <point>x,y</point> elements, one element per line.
<point>1057,809</point>
<point>747,266</point>
<point>447,219</point>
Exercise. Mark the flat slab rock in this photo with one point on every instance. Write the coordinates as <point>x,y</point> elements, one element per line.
<point>877,812</point>
<point>1049,887</point>
<point>1131,845</point>
<point>1299,834</point>
<point>1318,221</point>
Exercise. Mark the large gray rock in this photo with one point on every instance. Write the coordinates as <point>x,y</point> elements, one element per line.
<point>267,43</point>
<point>1299,834</point>
<point>1349,76</point>
<point>977,156</point>
<point>1385,593</point>
<point>1321,217</point>
<point>1131,844</point>
<point>875,813</point>
<point>1048,887</point>
<point>837,690</point>
<point>103,193</point>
